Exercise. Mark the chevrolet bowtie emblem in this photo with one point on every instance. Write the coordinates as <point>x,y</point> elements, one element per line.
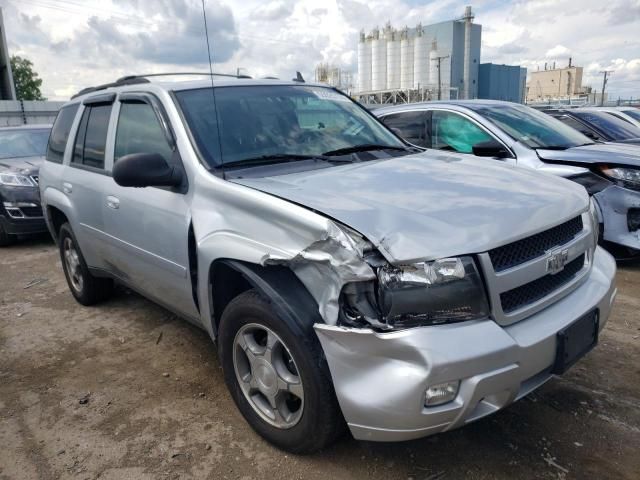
<point>556,261</point>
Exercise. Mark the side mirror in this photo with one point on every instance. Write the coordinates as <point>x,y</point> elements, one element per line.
<point>146,170</point>
<point>490,148</point>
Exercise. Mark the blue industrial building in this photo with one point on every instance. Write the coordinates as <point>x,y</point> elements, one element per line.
<point>502,82</point>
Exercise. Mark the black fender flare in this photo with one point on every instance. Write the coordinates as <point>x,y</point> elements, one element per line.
<point>282,288</point>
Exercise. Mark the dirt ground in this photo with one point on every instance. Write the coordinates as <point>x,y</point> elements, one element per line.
<point>127,391</point>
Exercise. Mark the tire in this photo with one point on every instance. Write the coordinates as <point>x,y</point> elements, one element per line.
<point>317,421</point>
<point>85,288</point>
<point>5,238</point>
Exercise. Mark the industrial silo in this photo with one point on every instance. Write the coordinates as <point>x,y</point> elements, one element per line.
<point>378,61</point>
<point>420,59</point>
<point>364,63</point>
<point>393,59</point>
<point>406,59</point>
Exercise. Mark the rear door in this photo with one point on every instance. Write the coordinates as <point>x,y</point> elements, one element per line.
<point>85,179</point>
<point>149,227</point>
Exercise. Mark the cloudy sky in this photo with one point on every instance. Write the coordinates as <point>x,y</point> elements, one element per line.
<point>77,43</point>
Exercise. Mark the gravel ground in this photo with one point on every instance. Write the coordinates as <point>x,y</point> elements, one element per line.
<point>127,390</point>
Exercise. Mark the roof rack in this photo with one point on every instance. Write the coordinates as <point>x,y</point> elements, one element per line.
<point>137,79</point>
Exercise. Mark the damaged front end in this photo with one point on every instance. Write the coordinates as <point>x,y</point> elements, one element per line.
<point>405,296</point>
<point>617,193</point>
<point>355,286</point>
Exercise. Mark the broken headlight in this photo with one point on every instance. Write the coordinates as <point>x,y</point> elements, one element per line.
<point>430,293</point>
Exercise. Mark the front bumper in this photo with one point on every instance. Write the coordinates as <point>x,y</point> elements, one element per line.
<point>21,211</point>
<point>380,378</point>
<point>615,203</point>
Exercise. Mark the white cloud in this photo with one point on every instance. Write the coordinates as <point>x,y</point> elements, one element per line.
<point>559,51</point>
<point>75,44</point>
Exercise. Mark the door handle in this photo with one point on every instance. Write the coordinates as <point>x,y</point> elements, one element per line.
<point>113,202</point>
<point>67,187</point>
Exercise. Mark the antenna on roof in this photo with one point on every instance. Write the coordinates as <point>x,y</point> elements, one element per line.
<point>298,78</point>
<point>213,91</point>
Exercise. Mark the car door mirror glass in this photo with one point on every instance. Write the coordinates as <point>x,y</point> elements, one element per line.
<point>146,170</point>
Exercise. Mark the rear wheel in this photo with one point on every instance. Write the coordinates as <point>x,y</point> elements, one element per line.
<point>86,288</point>
<point>277,376</point>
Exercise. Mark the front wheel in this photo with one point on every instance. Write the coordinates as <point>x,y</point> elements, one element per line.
<point>277,377</point>
<point>5,238</point>
<point>86,288</point>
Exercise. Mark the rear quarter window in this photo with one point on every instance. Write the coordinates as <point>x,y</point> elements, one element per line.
<point>60,133</point>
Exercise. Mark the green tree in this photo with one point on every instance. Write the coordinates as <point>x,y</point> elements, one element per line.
<point>26,80</point>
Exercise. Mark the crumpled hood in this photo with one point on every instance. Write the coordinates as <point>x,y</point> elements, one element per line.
<point>21,165</point>
<point>597,153</point>
<point>432,205</point>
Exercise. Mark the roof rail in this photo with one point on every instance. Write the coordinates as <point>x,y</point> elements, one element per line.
<point>132,80</point>
<point>136,79</point>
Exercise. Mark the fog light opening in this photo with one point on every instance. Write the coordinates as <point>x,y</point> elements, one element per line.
<point>441,393</point>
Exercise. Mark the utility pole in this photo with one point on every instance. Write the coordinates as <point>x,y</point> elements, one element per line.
<point>440,76</point>
<point>604,84</point>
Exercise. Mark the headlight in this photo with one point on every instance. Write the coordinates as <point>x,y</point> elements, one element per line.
<point>15,180</point>
<point>628,176</point>
<point>443,291</point>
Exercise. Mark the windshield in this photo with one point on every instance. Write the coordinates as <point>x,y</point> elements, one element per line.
<point>611,126</point>
<point>258,122</point>
<point>635,114</point>
<point>23,143</point>
<point>534,129</point>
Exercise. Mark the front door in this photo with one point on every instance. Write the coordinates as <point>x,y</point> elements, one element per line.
<point>149,227</point>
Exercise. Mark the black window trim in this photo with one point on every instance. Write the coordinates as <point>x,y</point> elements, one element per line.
<point>81,166</point>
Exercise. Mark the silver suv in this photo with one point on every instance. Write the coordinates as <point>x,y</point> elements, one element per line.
<point>346,278</point>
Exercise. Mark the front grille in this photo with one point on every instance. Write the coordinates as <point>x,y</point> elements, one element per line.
<point>533,291</point>
<point>535,246</point>
<point>36,179</point>
<point>31,211</point>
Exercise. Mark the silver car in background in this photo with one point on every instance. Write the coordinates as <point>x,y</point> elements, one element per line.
<point>518,135</point>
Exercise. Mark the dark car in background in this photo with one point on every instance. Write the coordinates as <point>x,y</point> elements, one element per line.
<point>22,151</point>
<point>598,125</point>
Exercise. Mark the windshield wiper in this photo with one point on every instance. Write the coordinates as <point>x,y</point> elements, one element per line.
<point>367,147</point>
<point>551,147</point>
<point>277,158</point>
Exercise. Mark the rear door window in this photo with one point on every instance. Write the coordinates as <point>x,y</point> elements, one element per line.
<point>453,132</point>
<point>411,126</point>
<point>60,133</point>
<point>91,139</point>
<point>139,131</point>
